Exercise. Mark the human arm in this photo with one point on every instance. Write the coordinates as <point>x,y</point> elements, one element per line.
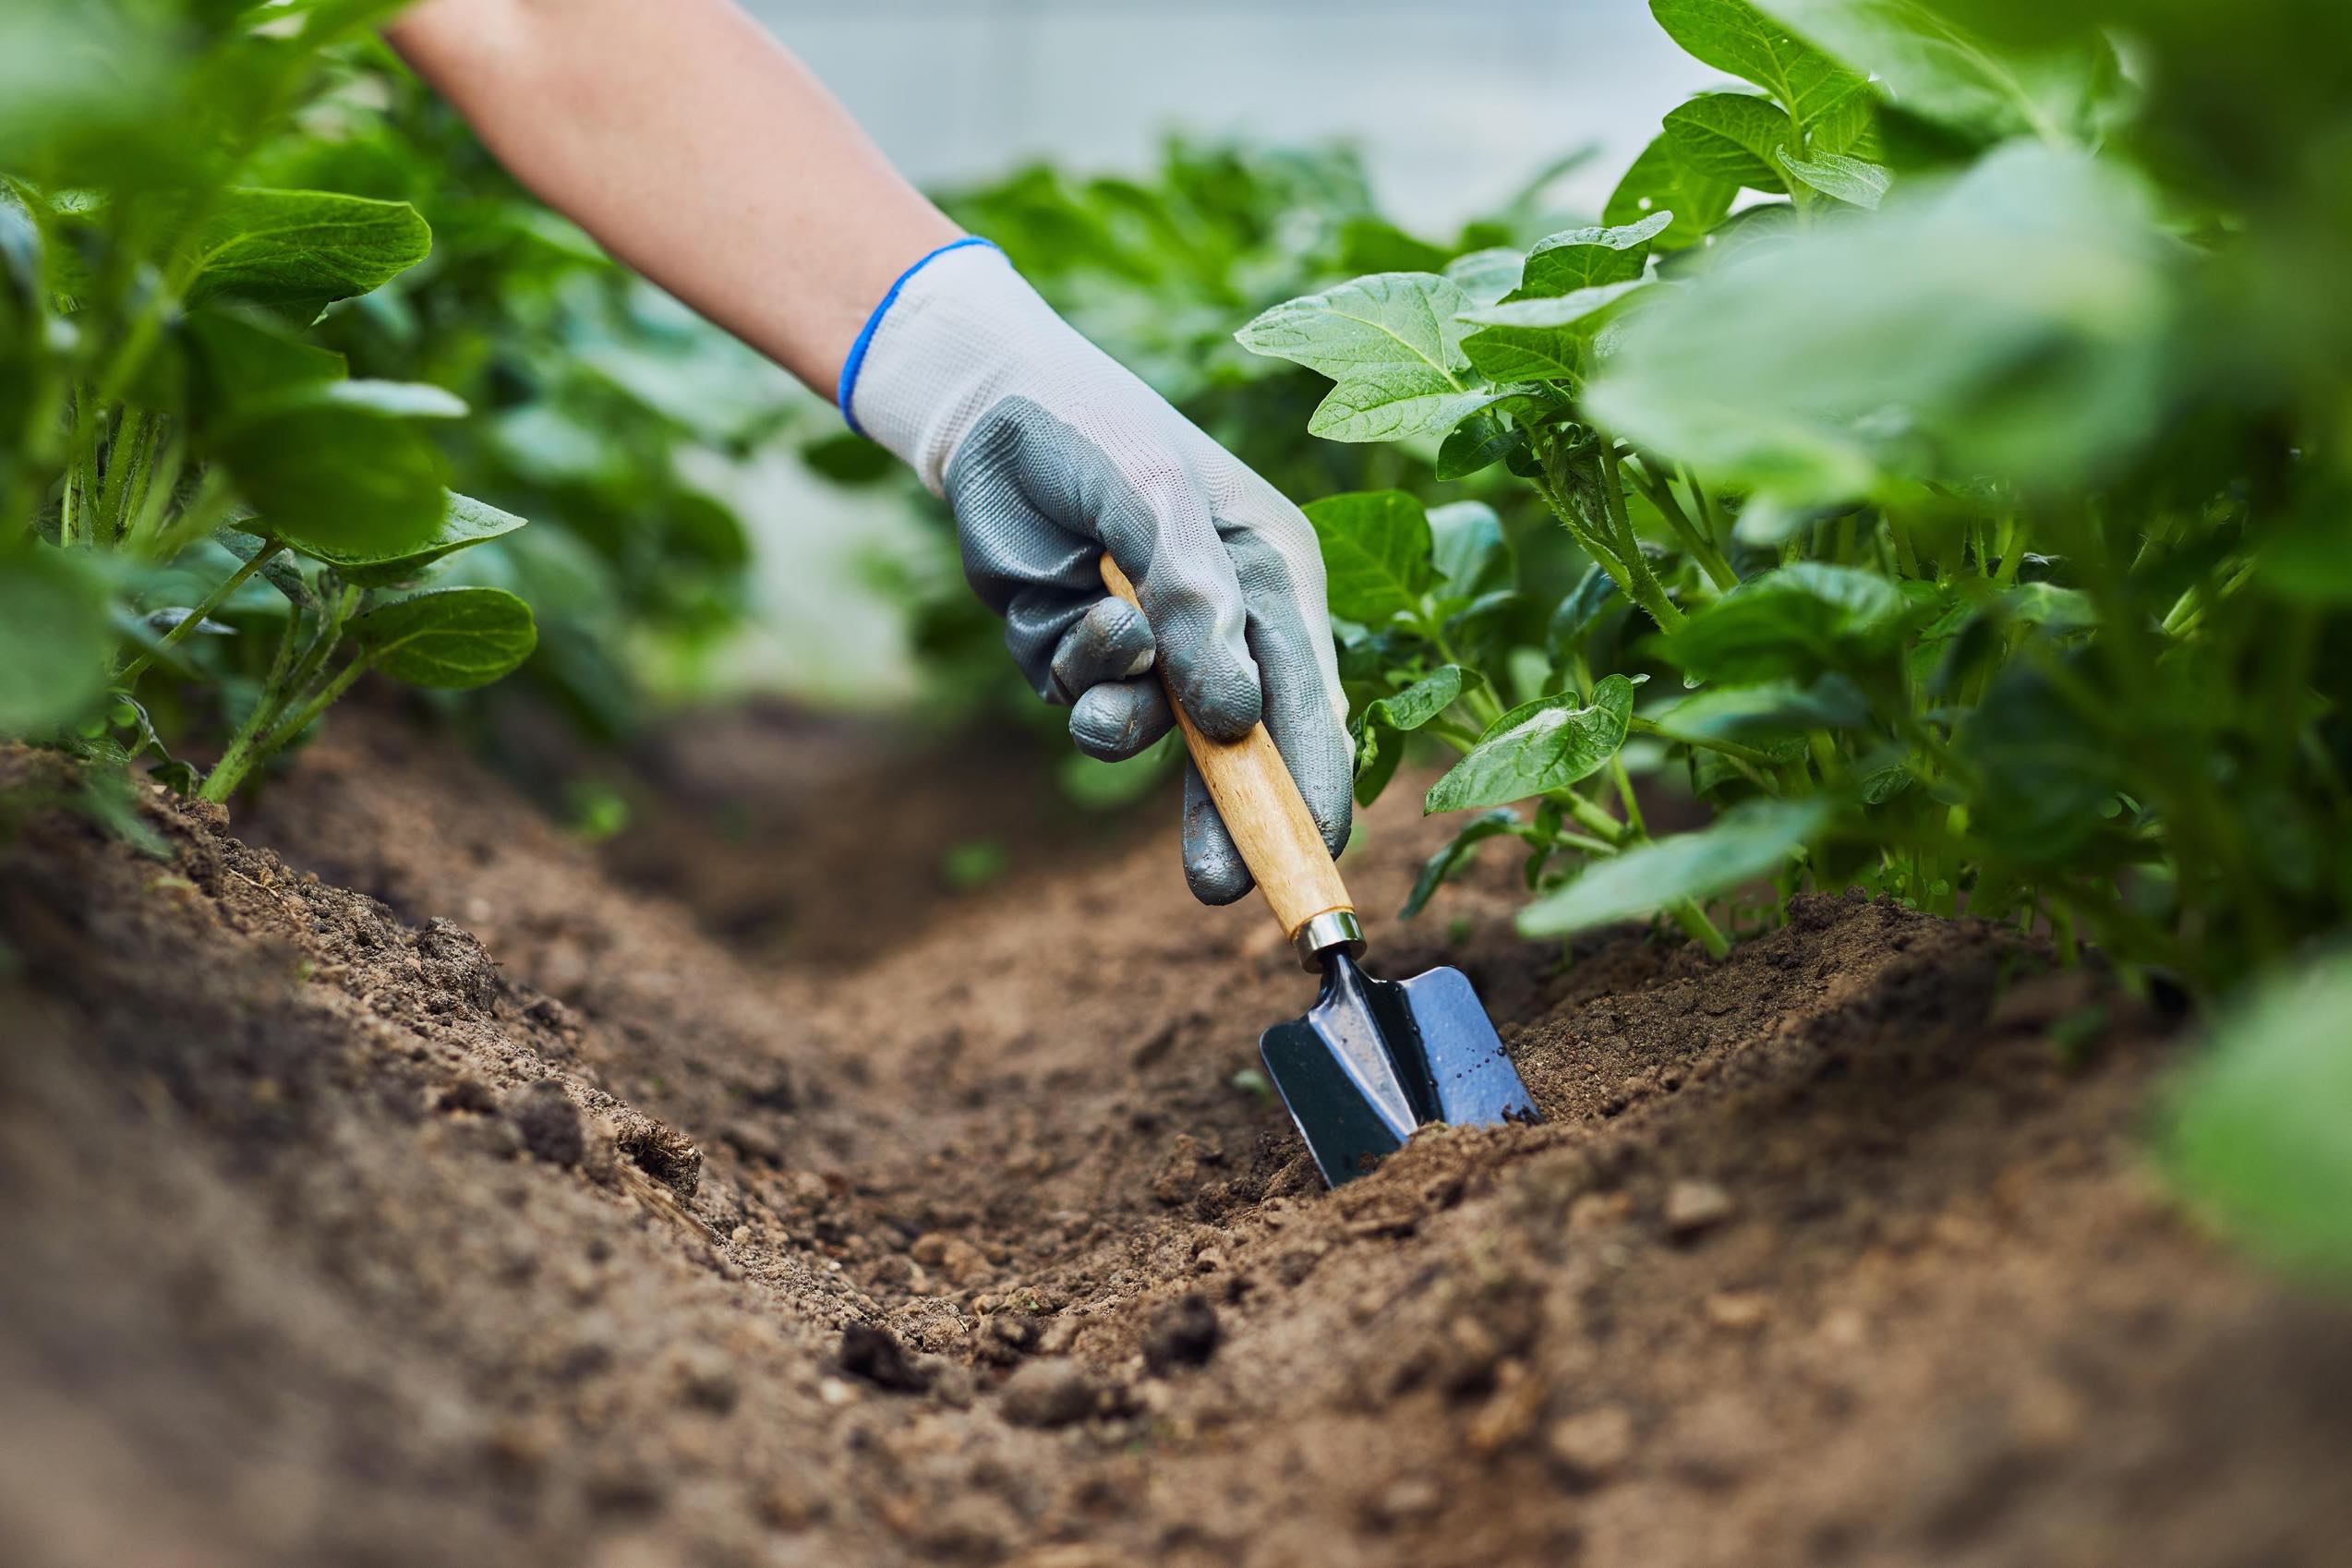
<point>699,151</point>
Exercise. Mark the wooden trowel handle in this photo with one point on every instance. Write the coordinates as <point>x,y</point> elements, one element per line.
<point>1269,822</point>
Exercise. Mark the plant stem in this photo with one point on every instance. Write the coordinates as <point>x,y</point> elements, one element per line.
<point>213,601</point>
<point>1701,930</point>
<point>1703,550</point>
<point>250,747</point>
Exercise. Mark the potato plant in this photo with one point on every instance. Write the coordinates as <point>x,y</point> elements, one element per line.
<point>198,502</point>
<point>1953,423</point>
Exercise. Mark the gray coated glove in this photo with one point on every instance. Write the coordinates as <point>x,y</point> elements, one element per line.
<point>1051,454</point>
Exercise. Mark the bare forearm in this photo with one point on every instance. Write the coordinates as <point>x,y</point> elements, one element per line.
<point>696,149</point>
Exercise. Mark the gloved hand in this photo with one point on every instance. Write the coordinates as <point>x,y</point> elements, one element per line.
<point>1051,454</point>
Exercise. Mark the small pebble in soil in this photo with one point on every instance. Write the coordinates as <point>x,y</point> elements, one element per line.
<point>1047,1393</point>
<point>1592,1444</point>
<point>549,1122</point>
<point>874,1353</point>
<point>706,1378</point>
<point>1696,1206</point>
<point>1183,1333</point>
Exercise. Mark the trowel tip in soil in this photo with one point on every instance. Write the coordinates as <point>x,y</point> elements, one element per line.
<point>1374,1059</point>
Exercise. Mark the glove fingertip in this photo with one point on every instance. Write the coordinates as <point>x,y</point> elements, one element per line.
<point>1213,868</point>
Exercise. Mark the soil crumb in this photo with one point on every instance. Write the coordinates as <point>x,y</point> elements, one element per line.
<point>394,1179</point>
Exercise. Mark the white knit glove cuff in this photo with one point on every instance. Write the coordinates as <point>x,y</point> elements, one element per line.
<point>942,347</point>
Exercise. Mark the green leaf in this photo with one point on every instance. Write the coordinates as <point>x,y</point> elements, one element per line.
<point>1777,708</point>
<point>1660,181</point>
<point>1578,613</point>
<point>1731,136</point>
<point>1457,853</point>
<point>1420,702</point>
<point>53,641</point>
<point>1468,546</point>
<point>1486,275</point>
<point>1850,180</point>
<point>1582,258</point>
<point>452,639</point>
<point>1733,36</point>
<point>305,249</point>
<point>1377,548</point>
<point>345,466</point>
<point>2255,1134</point>
<point>1539,339</point>
<point>1476,444</point>
<point>1747,843</point>
<point>1928,65</point>
<point>1792,622</point>
<point>1393,345</point>
<point>466,522</point>
<point>1546,745</point>
<point>2021,324</point>
<point>2046,770</point>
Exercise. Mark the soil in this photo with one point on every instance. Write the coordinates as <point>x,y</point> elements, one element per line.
<point>396,1180</point>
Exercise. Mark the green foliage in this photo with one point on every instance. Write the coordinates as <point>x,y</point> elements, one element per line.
<point>199,504</point>
<point>2256,1128</point>
<point>1979,485</point>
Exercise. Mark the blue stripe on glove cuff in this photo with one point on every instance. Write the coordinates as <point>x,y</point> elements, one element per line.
<point>856,361</point>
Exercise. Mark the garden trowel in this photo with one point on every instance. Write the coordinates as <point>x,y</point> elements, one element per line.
<point>1372,1059</point>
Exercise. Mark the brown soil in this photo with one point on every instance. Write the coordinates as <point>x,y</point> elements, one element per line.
<point>415,1190</point>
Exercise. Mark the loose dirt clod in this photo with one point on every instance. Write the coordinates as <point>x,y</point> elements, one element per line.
<point>875,1354</point>
<point>1694,1206</point>
<point>1049,1392</point>
<point>1183,1333</point>
<point>549,1122</point>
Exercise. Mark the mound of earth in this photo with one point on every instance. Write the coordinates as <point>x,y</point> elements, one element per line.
<point>396,1181</point>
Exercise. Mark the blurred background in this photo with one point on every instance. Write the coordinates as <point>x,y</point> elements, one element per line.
<point>963,93</point>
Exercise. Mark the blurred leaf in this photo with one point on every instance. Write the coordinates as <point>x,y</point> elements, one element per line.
<point>2046,770</point>
<point>2016,323</point>
<point>1457,853</point>
<point>1468,546</point>
<point>303,249</point>
<point>1544,745</point>
<point>1777,708</point>
<point>1733,137</point>
<point>450,639</point>
<point>342,466</point>
<point>54,640</point>
<point>1792,622</point>
<point>1377,547</point>
<point>2257,1126</point>
<point>1747,843</point>
<point>1392,344</point>
<point>1486,276</point>
<point>1927,63</point>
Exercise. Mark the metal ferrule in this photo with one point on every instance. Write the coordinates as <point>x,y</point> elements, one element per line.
<point>1321,934</point>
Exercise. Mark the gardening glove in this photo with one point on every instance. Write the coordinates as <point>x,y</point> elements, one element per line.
<point>1052,454</point>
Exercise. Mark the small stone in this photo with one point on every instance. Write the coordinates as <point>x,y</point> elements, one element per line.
<point>1405,1502</point>
<point>1183,1333</point>
<point>959,1260</point>
<point>835,1393</point>
<point>1694,1206</point>
<point>1592,1444</point>
<point>706,1378</point>
<point>549,1122</point>
<point>874,1353</point>
<point>1739,1310</point>
<point>1510,1414</point>
<point>1048,1393</point>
